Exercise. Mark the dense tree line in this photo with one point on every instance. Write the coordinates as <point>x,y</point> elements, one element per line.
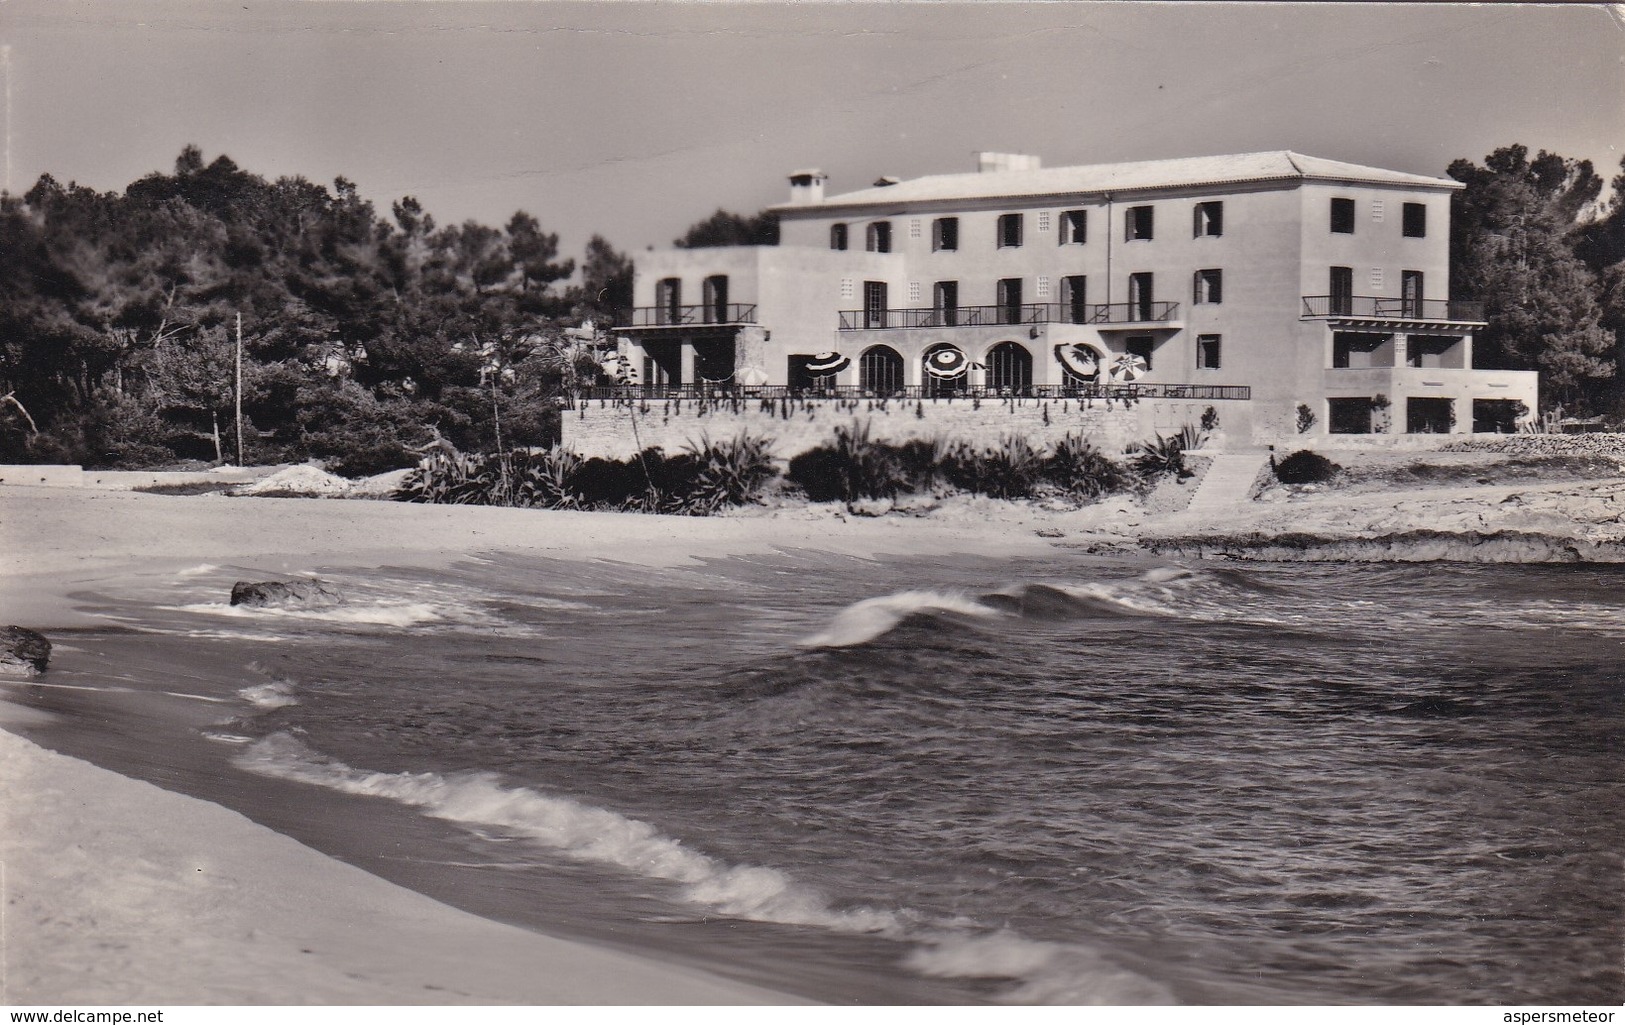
<point>362,336</point>
<point>1532,240</point>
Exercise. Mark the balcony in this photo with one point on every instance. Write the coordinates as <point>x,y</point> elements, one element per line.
<point>1387,309</point>
<point>687,316</point>
<point>1024,314</point>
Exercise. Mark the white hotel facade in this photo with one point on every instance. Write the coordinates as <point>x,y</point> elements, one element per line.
<point>1263,281</point>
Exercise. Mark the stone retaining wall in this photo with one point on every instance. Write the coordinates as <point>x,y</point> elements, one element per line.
<point>603,427</point>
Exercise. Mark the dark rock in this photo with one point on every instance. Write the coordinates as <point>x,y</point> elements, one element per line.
<point>285,594</point>
<point>23,652</point>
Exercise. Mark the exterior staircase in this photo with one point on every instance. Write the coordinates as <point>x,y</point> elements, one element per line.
<point>1227,483</point>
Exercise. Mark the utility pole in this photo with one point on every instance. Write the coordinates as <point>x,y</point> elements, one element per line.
<point>239,389</point>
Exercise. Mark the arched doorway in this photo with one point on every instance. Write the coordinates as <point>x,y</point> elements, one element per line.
<point>880,371</point>
<point>1009,369</point>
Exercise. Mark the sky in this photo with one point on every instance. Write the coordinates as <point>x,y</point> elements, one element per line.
<point>633,120</point>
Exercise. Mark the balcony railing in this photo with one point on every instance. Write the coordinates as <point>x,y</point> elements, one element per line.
<point>1375,307</point>
<point>937,390</point>
<point>1022,314</point>
<point>684,316</point>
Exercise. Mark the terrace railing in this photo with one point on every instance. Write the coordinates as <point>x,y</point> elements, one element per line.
<point>935,390</point>
<point>1377,307</point>
<point>998,315</point>
<point>684,316</point>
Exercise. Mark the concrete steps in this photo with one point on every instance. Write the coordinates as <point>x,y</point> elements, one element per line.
<point>1228,481</point>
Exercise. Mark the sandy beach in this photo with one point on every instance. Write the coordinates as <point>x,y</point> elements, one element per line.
<point>119,892</point>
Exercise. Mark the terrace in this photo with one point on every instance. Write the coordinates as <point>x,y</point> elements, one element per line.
<point>1163,313</point>
<point>703,315</point>
<point>1376,309</point>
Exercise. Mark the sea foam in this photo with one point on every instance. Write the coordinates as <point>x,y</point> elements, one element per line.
<point>578,831</point>
<point>873,617</point>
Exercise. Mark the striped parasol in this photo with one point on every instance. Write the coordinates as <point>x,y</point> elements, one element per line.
<point>946,364</point>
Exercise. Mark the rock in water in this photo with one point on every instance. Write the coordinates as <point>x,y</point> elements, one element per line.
<point>306,594</point>
<point>23,652</point>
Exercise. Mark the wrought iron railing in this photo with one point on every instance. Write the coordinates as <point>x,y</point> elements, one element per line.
<point>1376,307</point>
<point>682,316</point>
<point>997,315</point>
<point>935,390</point>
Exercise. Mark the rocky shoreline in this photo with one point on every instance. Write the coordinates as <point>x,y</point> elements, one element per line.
<point>1421,545</point>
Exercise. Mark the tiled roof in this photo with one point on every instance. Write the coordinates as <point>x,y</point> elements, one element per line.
<point>1146,174</point>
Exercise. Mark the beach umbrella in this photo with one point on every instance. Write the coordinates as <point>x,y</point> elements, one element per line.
<point>751,377</point>
<point>1129,368</point>
<point>1080,360</point>
<point>827,363</point>
<point>946,364</point>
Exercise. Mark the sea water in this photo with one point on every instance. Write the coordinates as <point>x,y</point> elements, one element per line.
<point>949,780</point>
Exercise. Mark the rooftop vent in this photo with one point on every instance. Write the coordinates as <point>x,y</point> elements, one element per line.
<point>885,180</point>
<point>988,161</point>
<point>807,186</point>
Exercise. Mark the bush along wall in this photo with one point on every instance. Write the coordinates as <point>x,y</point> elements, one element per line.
<point>711,476</point>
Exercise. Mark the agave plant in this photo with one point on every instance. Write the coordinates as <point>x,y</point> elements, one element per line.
<point>1160,456</point>
<point>728,473</point>
<point>1079,468</point>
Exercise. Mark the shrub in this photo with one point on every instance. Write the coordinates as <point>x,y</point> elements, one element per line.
<point>855,467</point>
<point>1306,467</point>
<point>1210,419</point>
<point>729,473</point>
<point>1306,418</point>
<point>547,480</point>
<point>1191,437</point>
<point>1159,457</point>
<point>1079,468</point>
<point>1012,469</point>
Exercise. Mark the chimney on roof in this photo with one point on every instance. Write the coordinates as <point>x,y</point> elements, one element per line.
<point>807,187</point>
<point>987,161</point>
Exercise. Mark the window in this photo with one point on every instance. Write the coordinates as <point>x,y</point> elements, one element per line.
<point>1009,231</point>
<point>914,227</point>
<point>1009,300</point>
<point>880,371</point>
<point>913,292</point>
<point>1209,287</point>
<point>1209,220</point>
<point>1343,216</point>
<point>716,299</point>
<point>837,236</point>
<point>1410,293</point>
<point>847,290</point>
<point>1377,210</point>
<point>877,238</point>
<point>1376,279</point>
<point>1416,220</point>
<point>1041,287</point>
<point>1075,298</point>
<point>945,234</point>
<point>1139,296</point>
<point>1430,415</point>
<point>946,302</point>
<point>1043,221</point>
<point>874,304</point>
<point>1074,227</point>
<point>1137,223</point>
<point>669,301</point>
<point>1009,369</point>
<point>1141,346</point>
<point>1342,291</point>
<point>1207,352</point>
